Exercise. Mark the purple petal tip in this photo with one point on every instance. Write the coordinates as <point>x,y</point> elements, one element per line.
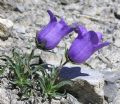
<point>52,16</point>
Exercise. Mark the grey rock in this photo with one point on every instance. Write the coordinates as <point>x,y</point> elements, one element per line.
<point>73,7</point>
<point>110,91</point>
<point>117,99</point>
<point>87,84</point>
<point>117,42</point>
<point>55,101</point>
<point>111,84</point>
<point>70,100</point>
<point>5,28</point>
<point>19,5</point>
<point>6,45</point>
<point>19,29</point>
<point>51,57</point>
<point>20,8</point>
<point>3,97</point>
<point>9,97</point>
<point>111,76</point>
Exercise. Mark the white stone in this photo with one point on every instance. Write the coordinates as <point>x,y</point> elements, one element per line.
<point>71,100</point>
<point>3,97</point>
<point>117,42</point>
<point>51,58</point>
<point>5,27</point>
<point>19,28</point>
<point>6,22</point>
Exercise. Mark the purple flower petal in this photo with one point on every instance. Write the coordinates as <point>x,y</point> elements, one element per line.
<point>85,45</point>
<point>81,49</point>
<point>52,17</point>
<point>65,28</point>
<point>93,37</point>
<point>41,34</point>
<point>100,36</point>
<point>81,30</point>
<point>62,22</point>
<point>56,34</point>
<point>52,33</point>
<point>99,46</point>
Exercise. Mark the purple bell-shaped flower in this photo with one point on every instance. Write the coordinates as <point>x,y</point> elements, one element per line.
<point>49,37</point>
<point>86,43</point>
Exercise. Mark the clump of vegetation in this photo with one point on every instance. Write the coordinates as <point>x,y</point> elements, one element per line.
<point>50,84</point>
<point>20,73</point>
<point>33,79</point>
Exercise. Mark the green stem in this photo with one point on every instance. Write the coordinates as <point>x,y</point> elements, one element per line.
<point>59,70</point>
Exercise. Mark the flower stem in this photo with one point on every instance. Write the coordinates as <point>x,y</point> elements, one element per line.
<point>59,70</point>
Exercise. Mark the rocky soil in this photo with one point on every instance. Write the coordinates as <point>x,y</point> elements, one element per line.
<point>20,19</point>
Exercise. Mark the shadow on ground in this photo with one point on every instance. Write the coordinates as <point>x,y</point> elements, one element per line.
<point>72,72</point>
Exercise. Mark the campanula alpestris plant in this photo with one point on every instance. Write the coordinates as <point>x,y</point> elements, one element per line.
<point>39,79</point>
<point>49,37</point>
<point>86,43</point>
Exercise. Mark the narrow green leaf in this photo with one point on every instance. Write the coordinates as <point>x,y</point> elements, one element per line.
<point>1,71</point>
<point>62,83</point>
<point>42,84</point>
<point>39,67</point>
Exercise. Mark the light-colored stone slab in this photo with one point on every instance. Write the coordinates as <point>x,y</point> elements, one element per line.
<point>87,84</point>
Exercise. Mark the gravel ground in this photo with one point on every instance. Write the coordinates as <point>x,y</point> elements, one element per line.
<point>28,16</point>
